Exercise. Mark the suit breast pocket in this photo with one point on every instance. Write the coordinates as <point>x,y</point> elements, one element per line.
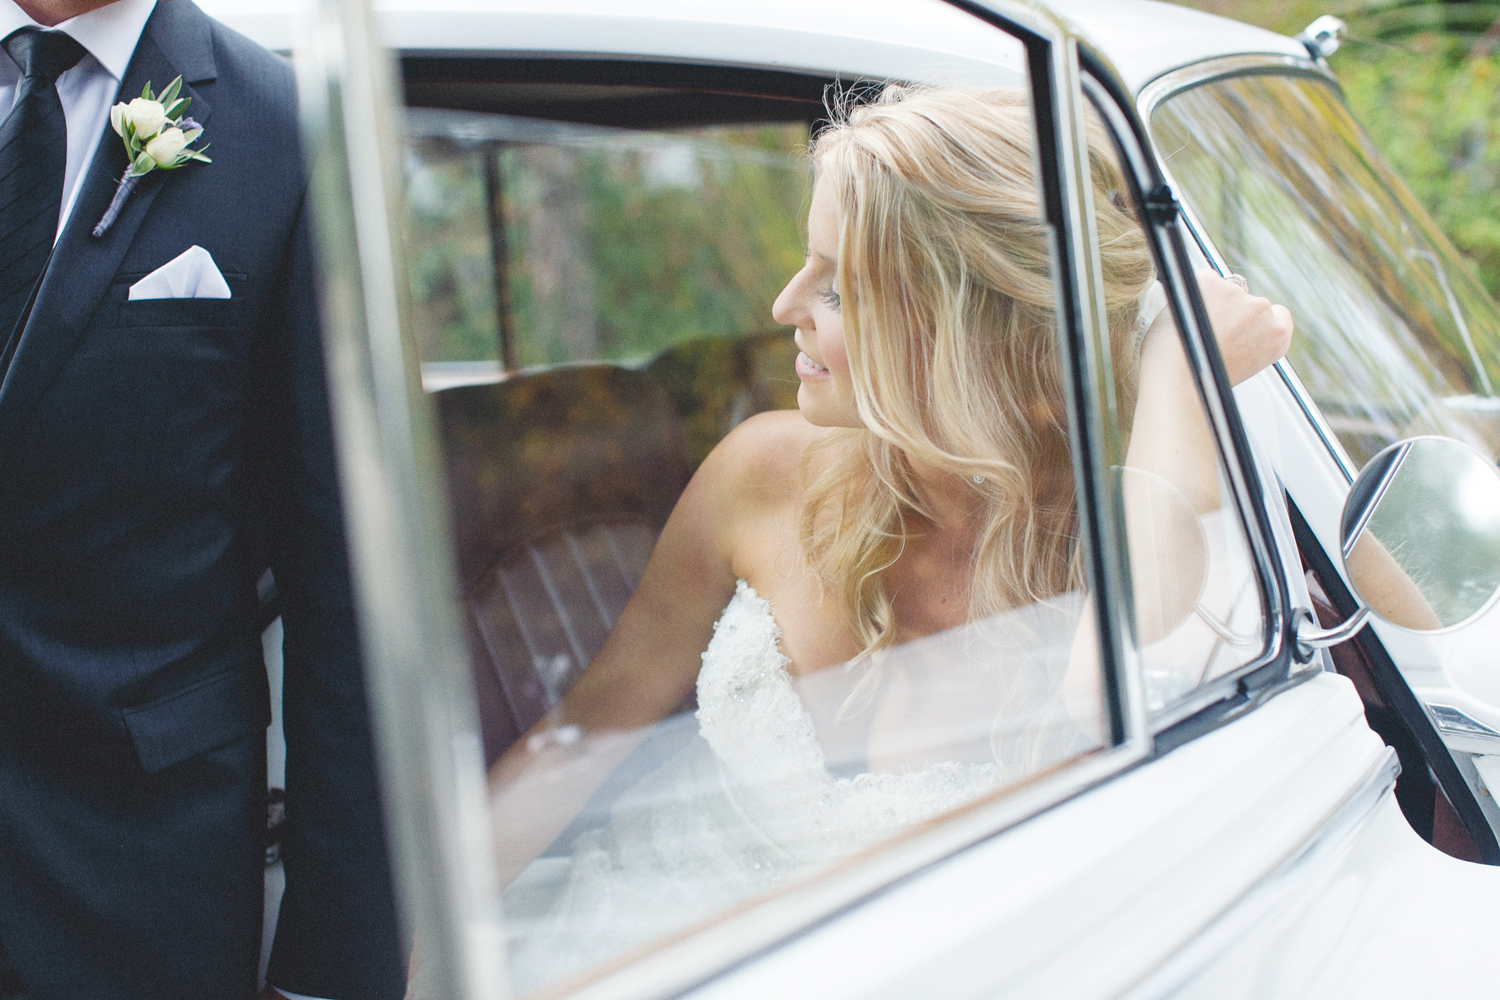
<point>207,313</point>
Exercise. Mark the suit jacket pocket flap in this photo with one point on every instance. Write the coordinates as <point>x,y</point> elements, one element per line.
<point>198,718</point>
<point>181,312</point>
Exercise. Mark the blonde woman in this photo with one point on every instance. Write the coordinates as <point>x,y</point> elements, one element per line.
<point>923,483</point>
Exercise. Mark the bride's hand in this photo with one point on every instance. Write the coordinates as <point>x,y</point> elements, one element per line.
<point>1253,333</point>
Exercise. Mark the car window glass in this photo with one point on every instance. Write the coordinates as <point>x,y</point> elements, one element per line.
<point>525,238</point>
<point>717,656</point>
<point>1197,597</point>
<point>1395,335</point>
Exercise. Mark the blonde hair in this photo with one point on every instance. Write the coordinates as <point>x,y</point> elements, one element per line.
<point>948,307</point>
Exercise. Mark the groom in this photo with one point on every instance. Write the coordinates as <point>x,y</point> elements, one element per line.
<point>157,455</point>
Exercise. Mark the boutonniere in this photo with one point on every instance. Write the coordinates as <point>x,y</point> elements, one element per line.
<point>157,137</point>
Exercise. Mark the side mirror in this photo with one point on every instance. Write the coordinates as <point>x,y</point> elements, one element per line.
<point>1420,540</point>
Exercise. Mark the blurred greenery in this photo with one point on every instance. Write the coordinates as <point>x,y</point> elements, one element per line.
<point>1424,79</point>
<point>619,245</point>
<point>452,287</point>
<point>718,212</point>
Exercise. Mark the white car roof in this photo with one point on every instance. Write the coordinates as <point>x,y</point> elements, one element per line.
<point>910,39</point>
<point>1144,38</point>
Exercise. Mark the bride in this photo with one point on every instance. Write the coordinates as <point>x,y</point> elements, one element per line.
<point>923,486</point>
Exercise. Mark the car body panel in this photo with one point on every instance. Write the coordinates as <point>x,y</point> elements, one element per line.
<point>1086,900</point>
<point>925,39</point>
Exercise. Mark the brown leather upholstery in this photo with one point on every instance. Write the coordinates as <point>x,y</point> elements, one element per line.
<point>715,384</point>
<point>558,484</point>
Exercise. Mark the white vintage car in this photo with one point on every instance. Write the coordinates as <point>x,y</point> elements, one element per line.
<point>1283,791</point>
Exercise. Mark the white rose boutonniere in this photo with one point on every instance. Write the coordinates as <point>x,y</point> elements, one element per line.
<point>157,136</point>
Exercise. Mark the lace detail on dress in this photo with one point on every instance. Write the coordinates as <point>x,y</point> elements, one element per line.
<point>755,722</point>
<point>747,804</point>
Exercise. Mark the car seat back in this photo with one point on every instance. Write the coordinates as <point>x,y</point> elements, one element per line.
<point>558,484</point>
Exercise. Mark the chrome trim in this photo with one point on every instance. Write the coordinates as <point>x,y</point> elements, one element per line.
<point>1451,720</point>
<point>1310,640</point>
<point>1092,412</point>
<point>1185,77</point>
<point>1322,847</point>
<point>421,695</point>
<point>1315,417</point>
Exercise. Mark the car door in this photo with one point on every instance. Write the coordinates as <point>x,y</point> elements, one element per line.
<point>1086,866</point>
<point>1395,337</point>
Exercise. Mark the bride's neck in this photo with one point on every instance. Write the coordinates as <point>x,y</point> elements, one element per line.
<point>951,499</point>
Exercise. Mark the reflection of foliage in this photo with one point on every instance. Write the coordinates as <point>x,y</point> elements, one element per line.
<point>620,245</point>
<point>1436,113</point>
<point>1310,214</point>
<point>453,302</point>
<point>1422,76</point>
<point>676,240</point>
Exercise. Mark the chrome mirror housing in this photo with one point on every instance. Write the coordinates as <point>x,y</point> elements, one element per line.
<point>1419,539</point>
<point>1420,534</point>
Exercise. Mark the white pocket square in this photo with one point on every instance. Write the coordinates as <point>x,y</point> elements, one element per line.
<point>192,274</point>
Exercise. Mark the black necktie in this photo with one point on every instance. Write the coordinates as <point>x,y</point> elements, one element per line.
<point>33,156</point>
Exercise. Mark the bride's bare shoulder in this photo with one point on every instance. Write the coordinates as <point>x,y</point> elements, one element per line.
<point>762,455</point>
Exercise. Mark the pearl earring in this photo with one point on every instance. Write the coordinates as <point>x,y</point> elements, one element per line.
<point>978,479</point>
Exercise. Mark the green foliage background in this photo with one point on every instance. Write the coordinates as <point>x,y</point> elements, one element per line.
<point>1424,79</point>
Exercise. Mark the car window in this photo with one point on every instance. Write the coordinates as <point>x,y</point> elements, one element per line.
<point>526,235</point>
<point>1198,604</point>
<point>1395,335</point>
<point>673,732</point>
<point>798,517</point>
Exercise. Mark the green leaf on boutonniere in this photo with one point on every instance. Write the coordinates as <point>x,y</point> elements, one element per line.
<point>168,146</point>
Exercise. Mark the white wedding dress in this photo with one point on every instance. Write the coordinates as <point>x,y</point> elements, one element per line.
<point>745,804</point>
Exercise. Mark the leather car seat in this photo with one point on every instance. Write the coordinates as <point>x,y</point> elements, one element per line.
<point>558,484</point>
<point>715,383</point>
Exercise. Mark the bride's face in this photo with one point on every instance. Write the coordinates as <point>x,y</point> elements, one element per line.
<point>810,302</point>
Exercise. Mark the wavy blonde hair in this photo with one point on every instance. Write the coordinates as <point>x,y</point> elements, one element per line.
<point>949,319</point>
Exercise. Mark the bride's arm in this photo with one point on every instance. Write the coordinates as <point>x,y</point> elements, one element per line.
<point>646,667</point>
<point>1171,441</point>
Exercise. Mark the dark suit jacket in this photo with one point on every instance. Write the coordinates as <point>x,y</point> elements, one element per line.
<point>155,457</point>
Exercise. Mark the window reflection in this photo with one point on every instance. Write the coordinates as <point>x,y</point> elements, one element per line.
<point>1395,335</point>
<point>548,219</point>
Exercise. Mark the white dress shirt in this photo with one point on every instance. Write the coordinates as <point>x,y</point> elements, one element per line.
<point>87,90</point>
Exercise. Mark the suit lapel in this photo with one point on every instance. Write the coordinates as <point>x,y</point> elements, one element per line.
<point>176,41</point>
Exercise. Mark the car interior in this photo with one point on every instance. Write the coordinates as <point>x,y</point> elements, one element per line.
<point>560,476</point>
